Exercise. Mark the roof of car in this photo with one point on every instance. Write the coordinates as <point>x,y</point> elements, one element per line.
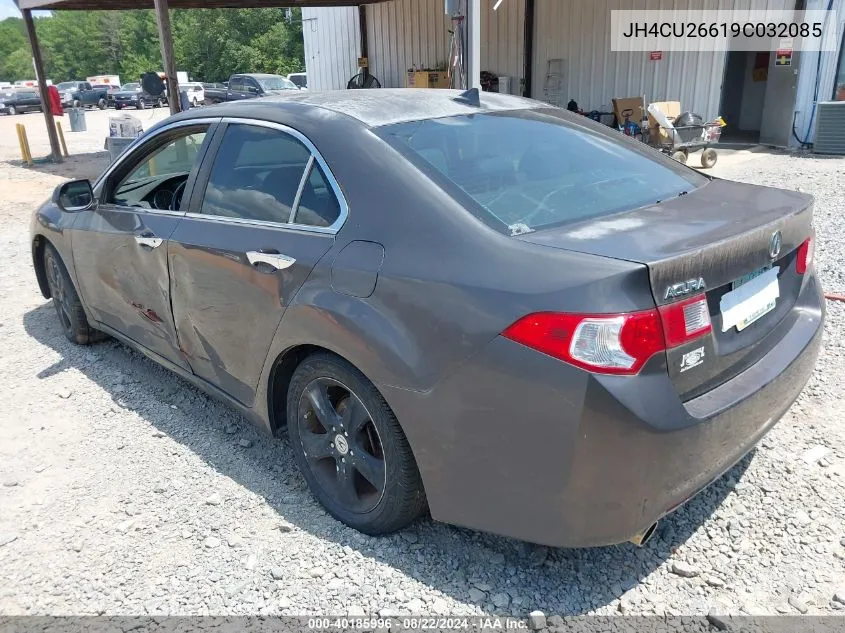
<point>256,75</point>
<point>376,107</point>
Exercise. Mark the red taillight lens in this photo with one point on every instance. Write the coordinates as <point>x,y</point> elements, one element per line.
<point>601,343</point>
<point>612,343</point>
<point>685,320</point>
<point>806,252</point>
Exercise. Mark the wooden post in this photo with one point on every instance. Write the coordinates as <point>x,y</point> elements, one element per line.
<point>61,138</point>
<point>165,36</point>
<point>55,150</point>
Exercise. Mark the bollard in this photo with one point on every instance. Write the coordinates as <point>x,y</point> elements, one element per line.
<point>62,138</point>
<point>23,141</point>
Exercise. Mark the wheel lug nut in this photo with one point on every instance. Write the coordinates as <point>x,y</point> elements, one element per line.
<point>343,459</point>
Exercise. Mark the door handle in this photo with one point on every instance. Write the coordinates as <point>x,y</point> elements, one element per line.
<point>148,240</point>
<point>276,260</point>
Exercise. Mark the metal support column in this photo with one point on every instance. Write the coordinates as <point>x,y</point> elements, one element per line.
<point>474,44</point>
<point>165,36</point>
<point>55,148</point>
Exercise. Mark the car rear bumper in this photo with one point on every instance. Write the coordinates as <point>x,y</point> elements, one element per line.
<point>517,443</point>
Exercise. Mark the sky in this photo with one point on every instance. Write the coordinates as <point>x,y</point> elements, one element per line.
<point>9,10</point>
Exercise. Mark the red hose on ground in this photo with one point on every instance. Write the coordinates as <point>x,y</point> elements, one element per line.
<point>834,297</point>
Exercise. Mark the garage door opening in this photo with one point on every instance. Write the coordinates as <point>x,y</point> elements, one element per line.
<point>744,96</point>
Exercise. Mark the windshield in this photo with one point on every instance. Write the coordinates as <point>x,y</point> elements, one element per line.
<point>275,83</point>
<point>66,85</point>
<point>529,169</point>
<point>131,87</point>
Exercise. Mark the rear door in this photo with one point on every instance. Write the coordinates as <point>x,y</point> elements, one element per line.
<point>264,211</point>
<point>120,246</point>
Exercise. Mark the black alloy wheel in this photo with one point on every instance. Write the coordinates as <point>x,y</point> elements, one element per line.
<point>66,301</point>
<point>350,448</point>
<point>341,444</point>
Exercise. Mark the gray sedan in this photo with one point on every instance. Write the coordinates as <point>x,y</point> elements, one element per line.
<point>481,306</point>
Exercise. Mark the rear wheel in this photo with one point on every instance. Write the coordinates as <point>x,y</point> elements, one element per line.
<point>66,301</point>
<point>709,158</point>
<point>141,104</point>
<point>13,110</point>
<point>680,156</point>
<point>350,448</point>
<point>102,104</point>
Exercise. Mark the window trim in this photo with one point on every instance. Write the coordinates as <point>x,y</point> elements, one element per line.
<point>100,184</point>
<point>332,229</point>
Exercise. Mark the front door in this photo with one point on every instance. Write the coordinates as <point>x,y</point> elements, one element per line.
<point>120,247</point>
<point>264,211</point>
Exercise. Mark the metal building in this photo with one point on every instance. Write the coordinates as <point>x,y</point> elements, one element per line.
<point>566,45</point>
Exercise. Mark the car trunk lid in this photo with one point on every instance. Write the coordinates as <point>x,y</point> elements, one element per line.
<point>713,239</point>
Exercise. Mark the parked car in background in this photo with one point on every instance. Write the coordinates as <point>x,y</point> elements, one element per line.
<point>300,79</point>
<point>81,94</point>
<point>19,101</point>
<point>110,89</point>
<point>534,325</point>
<point>196,92</point>
<point>133,96</point>
<point>250,86</point>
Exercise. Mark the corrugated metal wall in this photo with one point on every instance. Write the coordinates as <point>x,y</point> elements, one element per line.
<point>578,32</point>
<point>332,41</point>
<point>503,40</point>
<point>809,78</point>
<point>406,33</point>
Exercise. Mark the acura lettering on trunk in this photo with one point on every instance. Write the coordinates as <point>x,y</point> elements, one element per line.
<point>478,306</point>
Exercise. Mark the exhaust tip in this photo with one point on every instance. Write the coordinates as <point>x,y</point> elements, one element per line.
<point>641,538</point>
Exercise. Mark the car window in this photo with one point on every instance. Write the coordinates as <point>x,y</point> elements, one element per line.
<point>318,205</point>
<point>528,169</point>
<point>237,84</point>
<point>168,167</point>
<point>256,174</point>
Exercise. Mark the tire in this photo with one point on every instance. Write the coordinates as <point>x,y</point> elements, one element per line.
<point>382,449</point>
<point>102,104</point>
<point>160,103</point>
<point>709,158</point>
<point>66,301</point>
<point>141,105</point>
<point>117,107</point>
<point>680,156</point>
<point>12,110</point>
<point>76,103</point>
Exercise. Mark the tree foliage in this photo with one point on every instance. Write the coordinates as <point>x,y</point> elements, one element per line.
<point>209,44</point>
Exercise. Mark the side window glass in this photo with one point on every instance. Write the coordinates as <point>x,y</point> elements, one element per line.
<point>256,174</point>
<point>236,85</point>
<point>157,182</point>
<point>318,205</point>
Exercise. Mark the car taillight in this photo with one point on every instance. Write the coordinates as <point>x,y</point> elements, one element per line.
<point>685,320</point>
<point>602,343</point>
<point>806,252</point>
<point>612,343</point>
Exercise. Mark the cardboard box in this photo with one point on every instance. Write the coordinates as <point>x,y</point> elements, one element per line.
<point>428,79</point>
<point>672,110</point>
<point>633,106</point>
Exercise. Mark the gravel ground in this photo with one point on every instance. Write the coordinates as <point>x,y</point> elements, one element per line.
<point>127,491</point>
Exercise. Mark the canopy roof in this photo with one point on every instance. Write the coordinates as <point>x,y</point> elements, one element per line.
<point>184,4</point>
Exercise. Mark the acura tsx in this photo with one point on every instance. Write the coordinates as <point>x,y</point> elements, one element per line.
<point>481,306</point>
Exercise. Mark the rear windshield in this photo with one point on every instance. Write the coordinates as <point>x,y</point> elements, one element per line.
<point>529,169</point>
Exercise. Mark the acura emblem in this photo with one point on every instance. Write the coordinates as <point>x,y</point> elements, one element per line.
<point>775,244</point>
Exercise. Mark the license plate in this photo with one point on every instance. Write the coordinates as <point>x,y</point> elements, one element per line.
<point>751,297</point>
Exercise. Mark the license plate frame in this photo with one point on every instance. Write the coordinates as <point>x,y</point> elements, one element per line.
<point>768,291</point>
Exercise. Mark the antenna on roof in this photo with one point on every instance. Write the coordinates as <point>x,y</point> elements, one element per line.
<point>469,97</point>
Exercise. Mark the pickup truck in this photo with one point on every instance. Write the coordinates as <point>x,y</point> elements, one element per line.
<point>248,86</point>
<point>80,94</point>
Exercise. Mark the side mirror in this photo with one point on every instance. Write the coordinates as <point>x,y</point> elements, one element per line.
<point>73,196</point>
